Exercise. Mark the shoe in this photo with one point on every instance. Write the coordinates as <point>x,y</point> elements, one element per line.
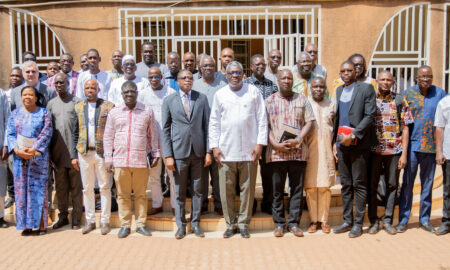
<point>389,229</point>
<point>123,232</point>
<point>312,227</point>
<point>154,211</point>
<point>218,211</point>
<point>401,227</point>
<point>61,223</point>
<point>427,227</point>
<point>9,202</point>
<point>197,231</point>
<point>181,233</point>
<point>244,233</point>
<point>443,229</point>
<point>88,227</point>
<point>42,232</point>
<point>374,228</point>
<point>295,230</point>
<point>3,223</point>
<point>104,228</point>
<point>355,232</point>
<point>345,227</point>
<point>325,227</point>
<point>26,232</point>
<point>144,231</point>
<point>279,231</point>
<point>75,227</point>
<point>229,232</point>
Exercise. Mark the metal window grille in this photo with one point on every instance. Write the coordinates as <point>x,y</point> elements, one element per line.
<point>208,29</point>
<point>30,33</point>
<point>403,45</point>
<point>447,49</point>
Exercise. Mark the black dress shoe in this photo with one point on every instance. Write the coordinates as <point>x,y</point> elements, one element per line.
<point>355,232</point>
<point>244,233</point>
<point>61,223</point>
<point>229,232</point>
<point>181,233</point>
<point>3,223</point>
<point>427,227</point>
<point>26,232</point>
<point>401,227</point>
<point>443,229</point>
<point>42,232</point>
<point>345,227</point>
<point>123,232</point>
<point>197,231</point>
<point>144,231</point>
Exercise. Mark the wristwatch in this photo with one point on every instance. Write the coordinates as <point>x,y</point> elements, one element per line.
<point>353,137</point>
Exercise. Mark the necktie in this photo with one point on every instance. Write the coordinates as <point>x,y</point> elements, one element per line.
<point>187,109</point>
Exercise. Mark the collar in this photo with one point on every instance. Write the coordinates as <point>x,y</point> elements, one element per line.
<point>183,94</point>
<point>282,97</point>
<point>139,106</point>
<point>387,97</point>
<point>254,79</point>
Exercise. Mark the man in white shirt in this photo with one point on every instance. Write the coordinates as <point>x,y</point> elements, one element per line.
<point>442,124</point>
<point>94,72</point>
<point>237,133</point>
<point>129,69</point>
<point>153,97</point>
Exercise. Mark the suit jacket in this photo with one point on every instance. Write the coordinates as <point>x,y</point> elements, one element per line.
<point>80,137</point>
<point>180,134</point>
<point>46,91</point>
<point>361,115</point>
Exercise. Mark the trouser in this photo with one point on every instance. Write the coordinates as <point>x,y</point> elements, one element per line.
<point>228,177</point>
<point>352,166</point>
<point>388,166</point>
<point>266,179</point>
<point>3,184</point>
<point>213,171</point>
<point>427,163</point>
<point>446,208</point>
<point>188,174</point>
<point>296,172</point>
<point>10,178</point>
<point>154,184</point>
<point>127,180</point>
<point>68,180</point>
<point>92,166</point>
<point>318,200</point>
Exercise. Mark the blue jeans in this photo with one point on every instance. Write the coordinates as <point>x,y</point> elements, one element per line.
<point>427,163</point>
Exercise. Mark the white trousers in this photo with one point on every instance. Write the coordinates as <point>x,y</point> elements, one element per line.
<point>92,166</point>
<point>154,184</point>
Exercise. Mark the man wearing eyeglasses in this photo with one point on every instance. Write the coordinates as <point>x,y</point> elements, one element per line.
<point>66,64</point>
<point>423,99</point>
<point>208,85</point>
<point>237,134</point>
<point>316,68</point>
<point>31,56</point>
<point>129,69</point>
<point>273,61</point>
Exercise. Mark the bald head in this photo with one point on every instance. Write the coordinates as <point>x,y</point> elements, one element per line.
<point>155,77</point>
<point>61,84</point>
<point>385,81</point>
<point>285,81</point>
<point>91,90</point>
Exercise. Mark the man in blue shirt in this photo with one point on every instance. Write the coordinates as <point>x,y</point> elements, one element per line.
<point>173,62</point>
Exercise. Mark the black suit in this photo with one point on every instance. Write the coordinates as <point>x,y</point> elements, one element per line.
<point>353,160</point>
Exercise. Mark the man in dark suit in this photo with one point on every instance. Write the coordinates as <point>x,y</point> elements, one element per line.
<point>185,119</point>
<point>356,110</point>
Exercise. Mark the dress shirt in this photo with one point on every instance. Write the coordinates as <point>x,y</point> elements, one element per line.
<point>129,136</point>
<point>238,122</point>
<point>115,91</point>
<point>266,86</point>
<point>103,79</point>
<point>171,80</point>
<point>442,119</point>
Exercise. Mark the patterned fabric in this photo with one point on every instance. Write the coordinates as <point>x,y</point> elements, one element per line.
<point>73,79</point>
<point>338,82</point>
<point>387,125</point>
<point>31,177</point>
<point>130,135</point>
<point>102,110</point>
<point>267,87</point>
<point>302,86</point>
<point>114,74</point>
<point>423,108</point>
<point>293,112</point>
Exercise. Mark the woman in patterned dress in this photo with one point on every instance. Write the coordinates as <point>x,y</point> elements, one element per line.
<point>29,133</point>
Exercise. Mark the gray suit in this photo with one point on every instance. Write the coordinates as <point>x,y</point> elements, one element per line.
<point>186,140</point>
<point>46,91</point>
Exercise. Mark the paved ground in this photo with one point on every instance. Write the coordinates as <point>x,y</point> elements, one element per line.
<point>67,249</point>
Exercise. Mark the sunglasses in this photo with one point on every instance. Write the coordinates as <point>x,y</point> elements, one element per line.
<point>154,77</point>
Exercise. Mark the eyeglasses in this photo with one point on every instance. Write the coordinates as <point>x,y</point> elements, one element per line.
<point>66,61</point>
<point>154,77</point>
<point>346,70</point>
<point>129,92</point>
<point>425,77</point>
<point>275,57</point>
<point>59,83</point>
<point>190,78</point>
<point>29,59</point>
<point>129,64</point>
<point>311,52</point>
<point>259,64</point>
<point>238,73</point>
<point>30,71</point>
<point>358,65</point>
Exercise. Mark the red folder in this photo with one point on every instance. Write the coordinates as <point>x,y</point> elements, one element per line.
<point>346,130</point>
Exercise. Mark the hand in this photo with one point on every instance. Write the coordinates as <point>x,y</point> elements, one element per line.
<point>218,155</point>
<point>170,163</point>
<point>402,161</point>
<point>154,162</point>
<point>109,167</point>
<point>283,147</point>
<point>256,153</point>
<point>292,143</point>
<point>76,164</point>
<point>22,153</point>
<point>346,140</point>
<point>335,152</point>
<point>440,158</point>
<point>208,160</point>
<point>31,151</point>
<point>5,153</point>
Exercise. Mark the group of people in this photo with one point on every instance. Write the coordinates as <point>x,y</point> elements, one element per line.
<point>140,123</point>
